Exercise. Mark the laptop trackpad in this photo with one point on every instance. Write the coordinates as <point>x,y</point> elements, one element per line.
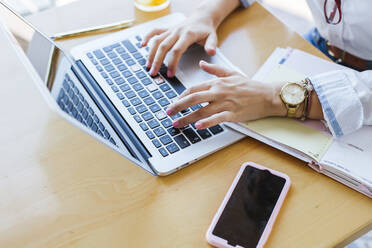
<point>189,72</point>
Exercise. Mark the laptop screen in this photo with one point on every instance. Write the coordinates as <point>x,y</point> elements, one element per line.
<point>53,67</point>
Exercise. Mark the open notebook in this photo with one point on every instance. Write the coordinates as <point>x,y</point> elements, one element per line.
<point>347,159</point>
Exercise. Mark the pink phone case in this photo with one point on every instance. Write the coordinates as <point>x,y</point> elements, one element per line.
<point>222,243</point>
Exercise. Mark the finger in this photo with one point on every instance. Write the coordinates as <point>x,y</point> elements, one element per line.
<point>211,44</point>
<point>189,101</point>
<point>161,52</point>
<point>213,120</point>
<point>200,114</point>
<point>216,70</point>
<point>154,48</point>
<point>176,52</point>
<point>152,33</point>
<point>200,87</point>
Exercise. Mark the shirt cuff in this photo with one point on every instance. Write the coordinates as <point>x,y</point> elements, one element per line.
<point>342,108</point>
<point>246,3</point>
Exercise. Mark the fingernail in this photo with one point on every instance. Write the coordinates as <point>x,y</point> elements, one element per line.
<point>169,112</point>
<point>142,43</point>
<point>169,74</point>
<point>198,125</point>
<point>152,72</point>
<point>148,64</point>
<point>176,123</point>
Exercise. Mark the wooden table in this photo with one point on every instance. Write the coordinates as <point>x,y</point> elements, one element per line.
<point>61,188</point>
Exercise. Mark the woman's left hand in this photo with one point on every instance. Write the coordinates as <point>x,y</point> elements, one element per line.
<point>231,97</point>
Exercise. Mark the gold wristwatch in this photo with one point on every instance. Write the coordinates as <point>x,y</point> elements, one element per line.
<point>293,95</point>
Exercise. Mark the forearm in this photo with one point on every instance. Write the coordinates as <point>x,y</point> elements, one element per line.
<point>217,10</point>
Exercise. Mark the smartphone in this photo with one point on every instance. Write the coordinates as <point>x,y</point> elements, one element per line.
<point>247,214</point>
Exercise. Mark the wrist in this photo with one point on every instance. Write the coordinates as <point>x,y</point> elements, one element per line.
<point>275,104</point>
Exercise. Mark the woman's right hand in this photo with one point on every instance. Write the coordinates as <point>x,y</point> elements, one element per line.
<point>174,42</point>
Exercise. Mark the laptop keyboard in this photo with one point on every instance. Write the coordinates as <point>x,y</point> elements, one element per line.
<point>72,102</point>
<point>122,65</point>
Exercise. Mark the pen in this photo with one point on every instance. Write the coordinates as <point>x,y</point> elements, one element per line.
<point>94,30</point>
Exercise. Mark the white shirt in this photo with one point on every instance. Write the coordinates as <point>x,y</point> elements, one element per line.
<point>346,96</point>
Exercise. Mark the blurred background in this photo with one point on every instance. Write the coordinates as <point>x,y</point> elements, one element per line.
<point>294,13</point>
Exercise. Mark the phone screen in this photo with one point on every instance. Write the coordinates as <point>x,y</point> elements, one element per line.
<point>249,208</point>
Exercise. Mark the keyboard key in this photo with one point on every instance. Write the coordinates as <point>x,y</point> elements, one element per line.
<point>171,94</point>
<point>132,80</point>
<point>157,94</point>
<point>164,102</point>
<point>91,111</point>
<point>165,140</point>
<point>115,45</point>
<point>114,74</point>
<point>140,74</point>
<point>172,148</point>
<point>137,118</point>
<point>141,108</point>
<point>135,101</point>
<point>129,46</point>
<point>151,87</point>
<point>156,143</point>
<point>216,129</point>
<point>159,131</point>
<point>182,141</point>
<point>106,134</point>
<point>159,80</point>
<point>117,61</point>
<point>126,103</point>
<point>130,62</point>
<point>104,75</point>
<point>74,112</point>
<point>114,88</point>
<point>112,55</point>
<point>85,114</point>
<point>122,67</point>
<point>94,62</point>
<point>160,115</point>
<point>104,61</point>
<point>163,152</point>
<point>137,55</point>
<point>109,81</point>
<point>130,94</point>
<point>90,121</point>
<point>173,131</point>
<point>146,81</point>
<point>125,87</point>
<point>149,101</point>
<point>139,45</point>
<point>138,87</point>
<point>143,94</point>
<point>120,96</point>
<point>147,116</point>
<point>101,126</point>
<point>205,134</point>
<point>107,49</point>
<point>94,127</point>
<point>75,99</point>
<point>89,55</point>
<point>142,61</point>
<point>166,123</point>
<point>131,111</point>
<point>138,38</point>
<point>135,68</point>
<point>95,118</point>
<point>80,107</point>
<point>150,134</point>
<point>153,123</point>
<point>99,68</point>
<point>196,107</point>
<point>125,56</point>
<point>185,111</point>
<point>120,50</point>
<point>164,87</point>
<point>144,126</point>
<point>99,54</point>
<point>176,116</point>
<point>127,74</point>
<point>191,135</point>
<point>155,108</point>
<point>100,133</point>
<point>109,68</point>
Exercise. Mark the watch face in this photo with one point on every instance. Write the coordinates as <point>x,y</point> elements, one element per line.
<point>293,93</point>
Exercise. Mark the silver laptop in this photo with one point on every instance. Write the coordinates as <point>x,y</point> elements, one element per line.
<point>104,89</point>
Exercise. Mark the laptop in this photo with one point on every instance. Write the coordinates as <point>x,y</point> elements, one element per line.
<point>103,88</point>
